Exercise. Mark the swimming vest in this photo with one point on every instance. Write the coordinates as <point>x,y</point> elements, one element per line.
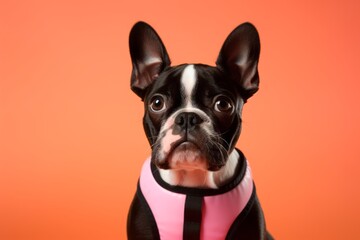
<point>187,213</point>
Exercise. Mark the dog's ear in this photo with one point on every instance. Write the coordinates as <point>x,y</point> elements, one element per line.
<point>148,55</point>
<point>239,57</point>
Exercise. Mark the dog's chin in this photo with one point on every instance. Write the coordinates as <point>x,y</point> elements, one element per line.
<point>184,156</point>
<point>188,156</point>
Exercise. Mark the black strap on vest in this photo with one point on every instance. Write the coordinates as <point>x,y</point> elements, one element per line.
<point>192,217</point>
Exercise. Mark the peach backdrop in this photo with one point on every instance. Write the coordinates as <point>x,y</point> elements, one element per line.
<point>71,139</point>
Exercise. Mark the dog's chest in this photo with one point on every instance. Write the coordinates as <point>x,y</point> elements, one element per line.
<point>180,212</point>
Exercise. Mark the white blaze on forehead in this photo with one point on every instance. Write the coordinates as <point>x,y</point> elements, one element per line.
<point>188,80</point>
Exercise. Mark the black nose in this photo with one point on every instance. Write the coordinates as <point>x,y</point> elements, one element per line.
<point>188,120</point>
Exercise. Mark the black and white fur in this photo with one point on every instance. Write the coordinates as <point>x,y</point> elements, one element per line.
<point>193,114</point>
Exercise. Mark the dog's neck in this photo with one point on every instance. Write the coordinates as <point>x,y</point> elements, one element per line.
<point>201,178</point>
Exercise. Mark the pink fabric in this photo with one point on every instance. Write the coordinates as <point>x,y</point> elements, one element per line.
<point>218,211</point>
<point>167,207</point>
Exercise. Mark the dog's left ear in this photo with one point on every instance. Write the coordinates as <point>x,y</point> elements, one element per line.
<point>148,55</point>
<point>239,57</point>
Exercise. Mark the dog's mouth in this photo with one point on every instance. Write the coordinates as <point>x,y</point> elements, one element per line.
<point>184,154</point>
<point>189,155</point>
<point>189,151</point>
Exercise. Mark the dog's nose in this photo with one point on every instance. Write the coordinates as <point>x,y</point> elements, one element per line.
<point>188,120</point>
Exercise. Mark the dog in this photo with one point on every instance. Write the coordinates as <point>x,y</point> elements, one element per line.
<point>196,184</point>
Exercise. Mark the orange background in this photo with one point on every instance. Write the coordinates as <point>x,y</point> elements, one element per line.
<point>71,138</point>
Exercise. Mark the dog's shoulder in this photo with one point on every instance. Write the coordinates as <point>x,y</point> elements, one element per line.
<point>141,222</point>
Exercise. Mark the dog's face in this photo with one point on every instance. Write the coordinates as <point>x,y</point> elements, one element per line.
<point>192,118</point>
<point>193,111</point>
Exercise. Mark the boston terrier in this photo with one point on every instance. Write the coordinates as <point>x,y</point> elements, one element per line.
<point>196,184</point>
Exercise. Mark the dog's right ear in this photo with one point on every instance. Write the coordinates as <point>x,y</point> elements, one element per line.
<point>148,55</point>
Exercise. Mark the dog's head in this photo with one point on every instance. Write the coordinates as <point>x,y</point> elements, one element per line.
<point>193,111</point>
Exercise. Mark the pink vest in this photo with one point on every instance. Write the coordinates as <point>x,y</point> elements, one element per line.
<point>174,207</point>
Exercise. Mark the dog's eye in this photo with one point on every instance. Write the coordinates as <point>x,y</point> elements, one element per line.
<point>223,104</point>
<point>157,103</point>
